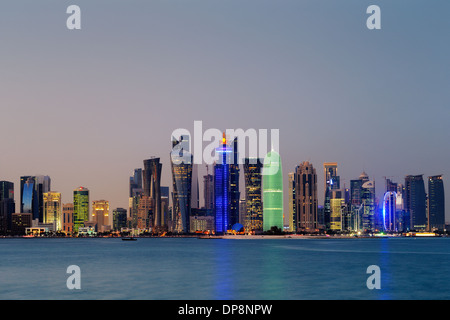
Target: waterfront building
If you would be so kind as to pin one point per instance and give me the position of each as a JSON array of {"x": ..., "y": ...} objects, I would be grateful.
[
  {"x": 235, "y": 194},
  {"x": 67, "y": 218},
  {"x": 52, "y": 209},
  {"x": 292, "y": 219},
  {"x": 100, "y": 215},
  {"x": 337, "y": 208},
  {"x": 19, "y": 223},
  {"x": 389, "y": 211},
  {"x": 436, "y": 203},
  {"x": 306, "y": 198},
  {"x": 331, "y": 182},
  {"x": 272, "y": 192},
  {"x": 416, "y": 202},
  {"x": 32, "y": 189},
  {"x": 119, "y": 219},
  {"x": 145, "y": 213},
  {"x": 181, "y": 164},
  {"x": 81, "y": 208},
  {"x": 7, "y": 206},
  {"x": 152, "y": 188},
  {"x": 222, "y": 197},
  {"x": 253, "y": 222},
  {"x": 208, "y": 190}
]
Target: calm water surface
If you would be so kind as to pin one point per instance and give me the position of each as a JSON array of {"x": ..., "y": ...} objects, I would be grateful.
[{"x": 183, "y": 268}]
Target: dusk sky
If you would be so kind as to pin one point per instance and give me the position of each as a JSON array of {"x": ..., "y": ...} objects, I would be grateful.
[{"x": 87, "y": 106}]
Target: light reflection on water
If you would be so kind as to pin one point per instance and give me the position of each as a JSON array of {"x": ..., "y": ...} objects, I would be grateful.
[{"x": 181, "y": 268}]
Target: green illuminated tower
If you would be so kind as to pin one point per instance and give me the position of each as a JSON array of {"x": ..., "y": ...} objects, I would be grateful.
[
  {"x": 272, "y": 192},
  {"x": 80, "y": 208}
]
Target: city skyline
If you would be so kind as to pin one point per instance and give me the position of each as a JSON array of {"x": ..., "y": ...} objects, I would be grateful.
[{"x": 373, "y": 101}]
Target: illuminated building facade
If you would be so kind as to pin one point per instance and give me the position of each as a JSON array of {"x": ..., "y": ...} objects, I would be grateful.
[
  {"x": 337, "y": 210},
  {"x": 181, "y": 163},
  {"x": 119, "y": 219},
  {"x": 32, "y": 189},
  {"x": 436, "y": 203},
  {"x": 53, "y": 209},
  {"x": 222, "y": 197},
  {"x": 332, "y": 182},
  {"x": 20, "y": 221},
  {"x": 152, "y": 187},
  {"x": 67, "y": 217},
  {"x": 306, "y": 201},
  {"x": 389, "y": 211},
  {"x": 253, "y": 221},
  {"x": 235, "y": 194},
  {"x": 81, "y": 208},
  {"x": 272, "y": 192},
  {"x": 100, "y": 215},
  {"x": 292, "y": 220}
]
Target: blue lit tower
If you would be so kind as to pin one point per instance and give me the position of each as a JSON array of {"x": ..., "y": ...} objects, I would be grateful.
[
  {"x": 222, "y": 197},
  {"x": 389, "y": 211}
]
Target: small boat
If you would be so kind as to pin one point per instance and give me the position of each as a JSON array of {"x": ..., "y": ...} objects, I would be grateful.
[{"x": 129, "y": 239}]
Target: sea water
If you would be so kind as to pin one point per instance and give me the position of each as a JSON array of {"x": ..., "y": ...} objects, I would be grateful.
[{"x": 218, "y": 269}]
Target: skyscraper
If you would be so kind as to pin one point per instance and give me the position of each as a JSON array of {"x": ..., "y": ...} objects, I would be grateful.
[
  {"x": 32, "y": 189},
  {"x": 100, "y": 215},
  {"x": 119, "y": 219},
  {"x": 292, "y": 219},
  {"x": 208, "y": 191},
  {"x": 306, "y": 201},
  {"x": 7, "y": 206},
  {"x": 152, "y": 187},
  {"x": 181, "y": 163},
  {"x": 436, "y": 203},
  {"x": 368, "y": 206},
  {"x": 80, "y": 208},
  {"x": 67, "y": 217},
  {"x": 52, "y": 209},
  {"x": 235, "y": 194},
  {"x": 222, "y": 196},
  {"x": 337, "y": 206},
  {"x": 332, "y": 182},
  {"x": 272, "y": 192},
  {"x": 253, "y": 196},
  {"x": 416, "y": 202},
  {"x": 389, "y": 211}
]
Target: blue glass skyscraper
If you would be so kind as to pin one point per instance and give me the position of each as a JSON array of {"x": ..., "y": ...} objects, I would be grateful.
[{"x": 222, "y": 197}]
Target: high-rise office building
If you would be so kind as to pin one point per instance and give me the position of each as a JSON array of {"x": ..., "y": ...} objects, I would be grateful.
[
  {"x": 67, "y": 217},
  {"x": 222, "y": 196},
  {"x": 306, "y": 200},
  {"x": 337, "y": 210},
  {"x": 81, "y": 207},
  {"x": 292, "y": 219},
  {"x": 332, "y": 182},
  {"x": 436, "y": 203},
  {"x": 145, "y": 214},
  {"x": 119, "y": 219},
  {"x": 165, "y": 205},
  {"x": 100, "y": 215},
  {"x": 7, "y": 206},
  {"x": 152, "y": 187},
  {"x": 368, "y": 206},
  {"x": 416, "y": 202},
  {"x": 32, "y": 189},
  {"x": 53, "y": 209},
  {"x": 235, "y": 194},
  {"x": 272, "y": 192},
  {"x": 136, "y": 183},
  {"x": 253, "y": 222},
  {"x": 181, "y": 163},
  {"x": 208, "y": 191},
  {"x": 389, "y": 211}
]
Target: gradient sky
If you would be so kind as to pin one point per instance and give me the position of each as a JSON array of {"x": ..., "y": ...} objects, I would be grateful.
[{"x": 87, "y": 106}]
